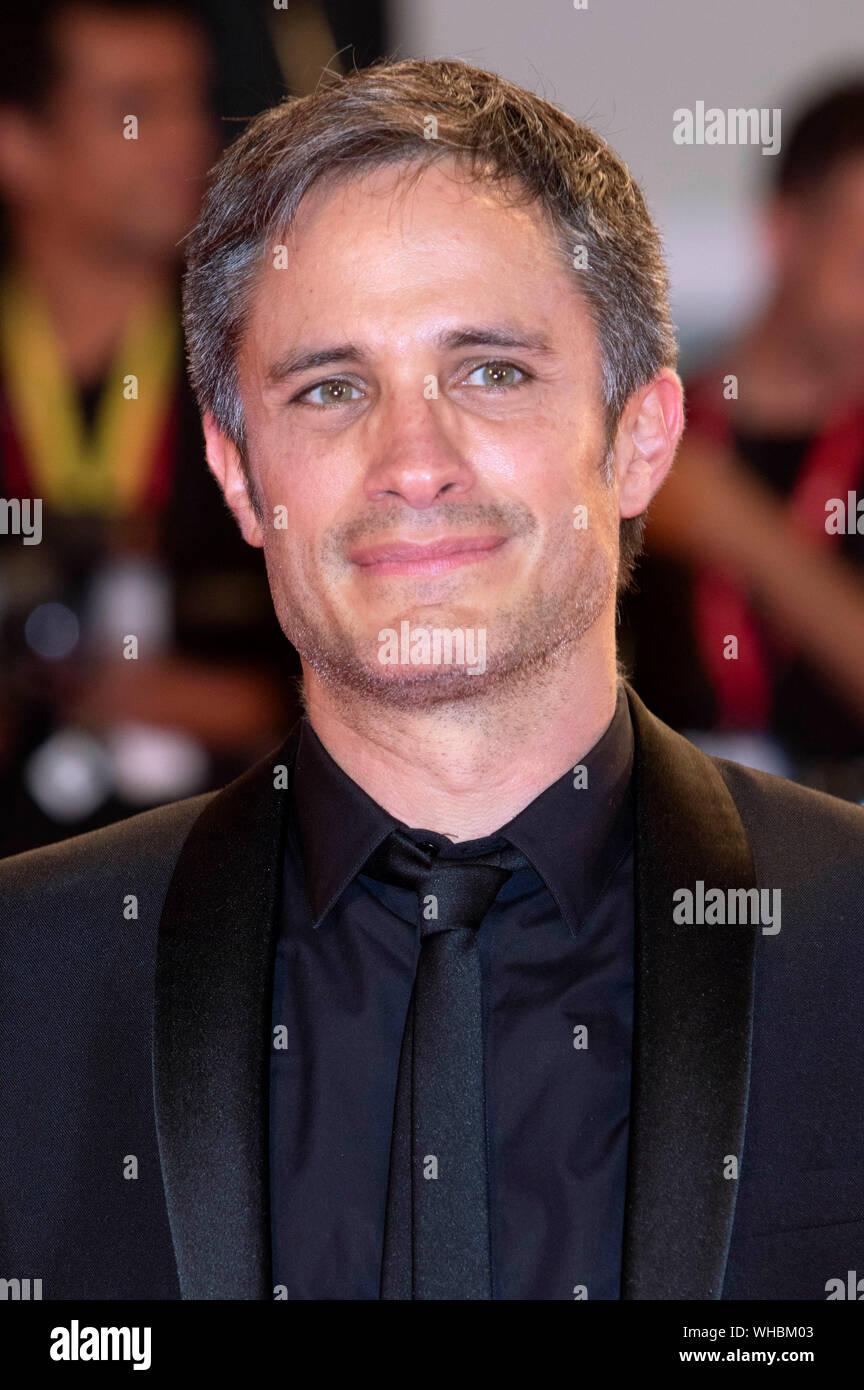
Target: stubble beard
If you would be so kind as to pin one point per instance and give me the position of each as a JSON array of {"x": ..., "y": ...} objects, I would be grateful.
[{"x": 525, "y": 642}]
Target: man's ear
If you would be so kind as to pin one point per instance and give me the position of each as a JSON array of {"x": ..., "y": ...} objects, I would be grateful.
[
  {"x": 225, "y": 464},
  {"x": 648, "y": 433}
]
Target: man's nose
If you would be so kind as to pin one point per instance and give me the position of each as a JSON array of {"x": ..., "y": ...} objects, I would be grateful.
[{"x": 418, "y": 459}]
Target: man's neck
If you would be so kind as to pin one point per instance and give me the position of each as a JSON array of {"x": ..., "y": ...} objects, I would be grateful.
[
  {"x": 89, "y": 296},
  {"x": 466, "y": 769}
]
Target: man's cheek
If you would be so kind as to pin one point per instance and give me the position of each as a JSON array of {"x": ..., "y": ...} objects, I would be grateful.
[{"x": 291, "y": 565}]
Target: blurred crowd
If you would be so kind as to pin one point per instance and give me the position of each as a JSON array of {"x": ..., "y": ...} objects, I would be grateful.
[
  {"x": 745, "y": 630},
  {"x": 140, "y": 659}
]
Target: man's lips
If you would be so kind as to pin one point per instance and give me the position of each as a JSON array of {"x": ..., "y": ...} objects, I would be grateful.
[{"x": 410, "y": 557}]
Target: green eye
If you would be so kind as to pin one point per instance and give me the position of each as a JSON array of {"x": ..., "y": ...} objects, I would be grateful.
[
  {"x": 335, "y": 392},
  {"x": 499, "y": 375}
]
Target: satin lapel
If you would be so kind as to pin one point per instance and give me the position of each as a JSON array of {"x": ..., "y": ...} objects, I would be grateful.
[
  {"x": 211, "y": 1040},
  {"x": 692, "y": 1025}
]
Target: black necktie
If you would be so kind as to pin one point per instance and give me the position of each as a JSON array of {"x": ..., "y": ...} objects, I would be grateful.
[{"x": 436, "y": 1241}]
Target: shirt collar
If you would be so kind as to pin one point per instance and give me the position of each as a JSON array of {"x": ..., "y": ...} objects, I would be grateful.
[{"x": 574, "y": 833}]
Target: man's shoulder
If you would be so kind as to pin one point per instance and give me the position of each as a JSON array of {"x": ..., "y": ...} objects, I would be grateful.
[
  {"x": 148, "y": 843},
  {"x": 799, "y": 836},
  {"x": 776, "y": 803},
  {"x": 774, "y": 810}
]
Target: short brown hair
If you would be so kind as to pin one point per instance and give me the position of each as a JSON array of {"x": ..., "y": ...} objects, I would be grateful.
[{"x": 381, "y": 115}]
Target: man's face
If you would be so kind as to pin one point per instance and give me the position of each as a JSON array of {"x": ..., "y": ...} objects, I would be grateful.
[
  {"x": 821, "y": 248},
  {"x": 426, "y": 478},
  {"x": 121, "y": 196}
]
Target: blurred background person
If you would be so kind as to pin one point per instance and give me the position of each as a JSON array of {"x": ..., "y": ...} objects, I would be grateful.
[
  {"x": 140, "y": 659},
  {"x": 745, "y": 629}
]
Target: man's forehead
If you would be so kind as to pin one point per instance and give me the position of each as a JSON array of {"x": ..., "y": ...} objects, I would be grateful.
[
  {"x": 400, "y": 195},
  {"x": 329, "y": 257},
  {"x": 283, "y": 339}
]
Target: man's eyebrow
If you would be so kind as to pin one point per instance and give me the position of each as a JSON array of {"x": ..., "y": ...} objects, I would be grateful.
[
  {"x": 494, "y": 335},
  {"x": 482, "y": 335}
]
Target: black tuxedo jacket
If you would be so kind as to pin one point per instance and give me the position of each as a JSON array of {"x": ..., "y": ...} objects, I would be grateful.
[{"x": 140, "y": 1044}]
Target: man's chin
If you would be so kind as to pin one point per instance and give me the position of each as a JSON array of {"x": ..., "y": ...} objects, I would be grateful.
[
  {"x": 413, "y": 686},
  {"x": 484, "y": 676},
  {"x": 457, "y": 655}
]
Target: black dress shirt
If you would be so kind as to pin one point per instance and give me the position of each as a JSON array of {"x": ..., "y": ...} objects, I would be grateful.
[{"x": 556, "y": 953}]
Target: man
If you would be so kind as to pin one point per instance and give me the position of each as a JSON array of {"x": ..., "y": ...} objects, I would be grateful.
[
  {"x": 486, "y": 985},
  {"x": 107, "y": 128},
  {"x": 755, "y": 537}
]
